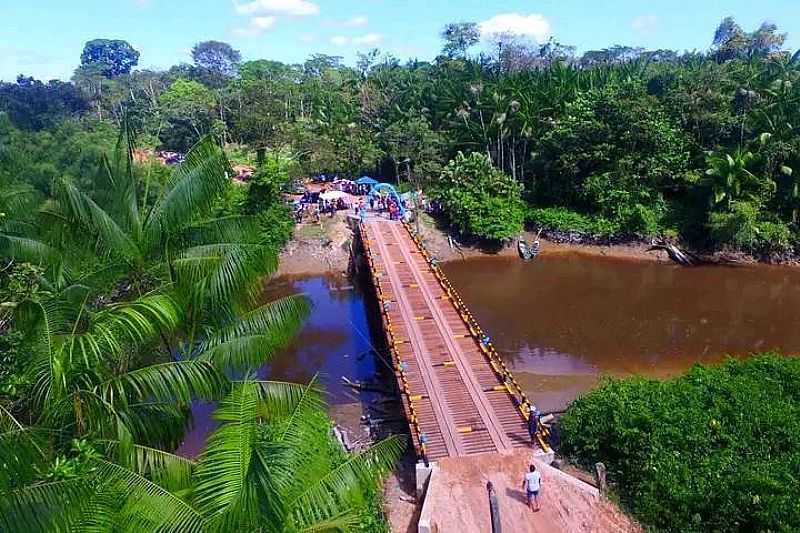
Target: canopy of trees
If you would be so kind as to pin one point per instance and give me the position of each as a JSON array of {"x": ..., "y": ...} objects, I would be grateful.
[{"x": 628, "y": 141}]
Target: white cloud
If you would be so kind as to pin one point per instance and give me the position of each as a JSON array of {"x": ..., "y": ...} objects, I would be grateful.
[
  {"x": 534, "y": 25},
  {"x": 645, "y": 23},
  {"x": 257, "y": 26},
  {"x": 358, "y": 20},
  {"x": 263, "y": 8},
  {"x": 368, "y": 39},
  {"x": 142, "y": 3}
]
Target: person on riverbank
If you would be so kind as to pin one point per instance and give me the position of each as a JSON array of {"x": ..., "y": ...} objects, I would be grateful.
[{"x": 532, "y": 484}]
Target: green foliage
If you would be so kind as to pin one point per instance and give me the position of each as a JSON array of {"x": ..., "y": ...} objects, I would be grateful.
[
  {"x": 729, "y": 179},
  {"x": 479, "y": 199},
  {"x": 70, "y": 150},
  {"x": 717, "y": 449},
  {"x": 12, "y": 364},
  {"x": 619, "y": 130},
  {"x": 80, "y": 461},
  {"x": 631, "y": 208},
  {"x": 411, "y": 139},
  {"x": 745, "y": 226},
  {"x": 459, "y": 37},
  {"x": 270, "y": 465},
  {"x": 188, "y": 105},
  {"x": 217, "y": 57},
  {"x": 109, "y": 57},
  {"x": 563, "y": 219},
  {"x": 272, "y": 176},
  {"x": 276, "y": 225}
]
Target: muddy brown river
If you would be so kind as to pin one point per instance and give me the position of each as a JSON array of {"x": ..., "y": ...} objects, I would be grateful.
[
  {"x": 565, "y": 320},
  {"x": 561, "y": 322}
]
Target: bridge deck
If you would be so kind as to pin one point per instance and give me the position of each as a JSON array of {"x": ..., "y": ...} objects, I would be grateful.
[{"x": 458, "y": 395}]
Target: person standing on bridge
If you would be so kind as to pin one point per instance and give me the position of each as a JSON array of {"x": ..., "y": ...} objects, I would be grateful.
[
  {"x": 533, "y": 423},
  {"x": 531, "y": 484}
]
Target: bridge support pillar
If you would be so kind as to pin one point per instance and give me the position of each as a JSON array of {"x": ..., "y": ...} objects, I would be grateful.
[
  {"x": 423, "y": 474},
  {"x": 546, "y": 457}
]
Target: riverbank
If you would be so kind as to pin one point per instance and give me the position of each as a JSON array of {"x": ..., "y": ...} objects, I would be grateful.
[
  {"x": 445, "y": 247},
  {"x": 324, "y": 248},
  {"x": 318, "y": 248}
]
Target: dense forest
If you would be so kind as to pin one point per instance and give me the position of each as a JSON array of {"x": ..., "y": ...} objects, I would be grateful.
[
  {"x": 131, "y": 288},
  {"x": 699, "y": 146}
]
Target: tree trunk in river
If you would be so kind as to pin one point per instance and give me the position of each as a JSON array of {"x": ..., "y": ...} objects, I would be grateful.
[{"x": 676, "y": 254}]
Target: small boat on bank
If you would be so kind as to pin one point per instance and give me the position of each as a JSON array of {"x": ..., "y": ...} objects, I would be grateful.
[{"x": 527, "y": 252}]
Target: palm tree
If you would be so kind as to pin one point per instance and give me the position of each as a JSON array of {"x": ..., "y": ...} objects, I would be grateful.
[
  {"x": 126, "y": 367},
  {"x": 265, "y": 468}
]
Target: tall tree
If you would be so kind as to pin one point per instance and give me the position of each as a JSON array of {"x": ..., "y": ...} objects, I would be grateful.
[
  {"x": 187, "y": 103},
  {"x": 459, "y": 37},
  {"x": 217, "y": 56},
  {"x": 111, "y": 57}
]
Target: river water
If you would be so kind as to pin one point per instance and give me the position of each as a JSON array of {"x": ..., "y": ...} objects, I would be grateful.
[
  {"x": 561, "y": 322},
  {"x": 336, "y": 340}
]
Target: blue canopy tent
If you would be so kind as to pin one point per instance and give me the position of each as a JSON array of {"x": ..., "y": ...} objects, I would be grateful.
[
  {"x": 388, "y": 190},
  {"x": 366, "y": 180}
]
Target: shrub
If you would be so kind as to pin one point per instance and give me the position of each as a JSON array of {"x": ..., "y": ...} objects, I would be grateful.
[
  {"x": 265, "y": 186},
  {"x": 479, "y": 199},
  {"x": 625, "y": 203},
  {"x": 275, "y": 226},
  {"x": 717, "y": 449},
  {"x": 745, "y": 227},
  {"x": 563, "y": 219}
]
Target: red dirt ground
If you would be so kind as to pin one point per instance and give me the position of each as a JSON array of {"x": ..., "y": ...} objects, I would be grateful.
[{"x": 457, "y": 501}]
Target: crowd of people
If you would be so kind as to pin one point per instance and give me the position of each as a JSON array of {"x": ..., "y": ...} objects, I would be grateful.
[{"x": 341, "y": 195}]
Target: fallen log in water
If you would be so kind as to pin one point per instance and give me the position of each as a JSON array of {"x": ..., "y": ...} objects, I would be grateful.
[{"x": 677, "y": 255}]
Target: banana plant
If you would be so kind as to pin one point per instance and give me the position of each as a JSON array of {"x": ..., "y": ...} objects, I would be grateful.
[{"x": 729, "y": 178}]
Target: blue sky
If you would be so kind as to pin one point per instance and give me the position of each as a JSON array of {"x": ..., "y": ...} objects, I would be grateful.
[{"x": 44, "y": 38}]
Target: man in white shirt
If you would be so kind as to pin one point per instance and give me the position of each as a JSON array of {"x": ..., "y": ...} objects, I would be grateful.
[{"x": 532, "y": 483}]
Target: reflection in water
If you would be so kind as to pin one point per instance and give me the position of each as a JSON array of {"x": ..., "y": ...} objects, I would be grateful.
[
  {"x": 563, "y": 320},
  {"x": 334, "y": 342}
]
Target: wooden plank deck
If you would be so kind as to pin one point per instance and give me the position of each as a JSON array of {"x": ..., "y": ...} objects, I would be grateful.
[{"x": 457, "y": 394}]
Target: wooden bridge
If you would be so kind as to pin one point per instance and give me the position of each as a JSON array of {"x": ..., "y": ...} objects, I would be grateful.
[{"x": 458, "y": 395}]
